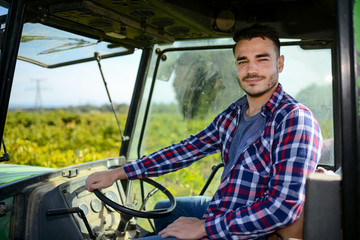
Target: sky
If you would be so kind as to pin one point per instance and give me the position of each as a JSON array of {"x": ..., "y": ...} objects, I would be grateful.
[{"x": 74, "y": 85}]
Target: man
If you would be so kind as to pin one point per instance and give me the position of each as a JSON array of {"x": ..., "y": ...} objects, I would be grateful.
[{"x": 269, "y": 143}]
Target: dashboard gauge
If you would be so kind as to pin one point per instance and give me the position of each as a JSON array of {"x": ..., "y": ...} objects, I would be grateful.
[
  {"x": 96, "y": 205},
  {"x": 84, "y": 208},
  {"x": 112, "y": 196}
]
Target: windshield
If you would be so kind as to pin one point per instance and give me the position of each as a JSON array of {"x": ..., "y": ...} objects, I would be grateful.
[
  {"x": 192, "y": 86},
  {"x": 60, "y": 117}
]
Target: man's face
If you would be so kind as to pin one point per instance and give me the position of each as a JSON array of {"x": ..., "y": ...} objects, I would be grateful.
[{"x": 258, "y": 66}]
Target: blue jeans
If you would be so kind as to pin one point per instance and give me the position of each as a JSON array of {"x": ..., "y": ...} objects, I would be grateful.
[{"x": 185, "y": 207}]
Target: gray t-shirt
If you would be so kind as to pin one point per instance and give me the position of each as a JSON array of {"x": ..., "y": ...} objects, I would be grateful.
[{"x": 248, "y": 130}]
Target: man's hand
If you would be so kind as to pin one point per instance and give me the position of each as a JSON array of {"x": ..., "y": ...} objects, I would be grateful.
[
  {"x": 323, "y": 170},
  {"x": 185, "y": 228},
  {"x": 104, "y": 179}
]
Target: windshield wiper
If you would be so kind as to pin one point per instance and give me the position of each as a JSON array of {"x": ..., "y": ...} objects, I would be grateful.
[{"x": 98, "y": 58}]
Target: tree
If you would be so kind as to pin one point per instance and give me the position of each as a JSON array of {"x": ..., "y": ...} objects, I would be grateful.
[{"x": 205, "y": 81}]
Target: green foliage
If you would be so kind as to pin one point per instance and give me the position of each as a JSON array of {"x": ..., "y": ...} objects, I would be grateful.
[
  {"x": 164, "y": 129},
  {"x": 61, "y": 138},
  {"x": 319, "y": 100}
]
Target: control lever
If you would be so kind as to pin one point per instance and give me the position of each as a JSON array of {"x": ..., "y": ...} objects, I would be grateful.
[
  {"x": 150, "y": 194},
  {"x": 62, "y": 211},
  {"x": 6, "y": 156}
]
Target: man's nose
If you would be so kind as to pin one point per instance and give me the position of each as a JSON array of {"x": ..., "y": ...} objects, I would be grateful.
[{"x": 252, "y": 67}]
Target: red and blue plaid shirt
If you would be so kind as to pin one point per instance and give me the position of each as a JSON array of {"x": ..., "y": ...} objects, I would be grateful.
[{"x": 265, "y": 189}]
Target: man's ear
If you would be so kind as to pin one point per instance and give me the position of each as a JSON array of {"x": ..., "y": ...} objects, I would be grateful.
[{"x": 281, "y": 60}]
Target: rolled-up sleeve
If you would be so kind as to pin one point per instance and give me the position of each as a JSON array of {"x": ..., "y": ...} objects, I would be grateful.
[{"x": 176, "y": 156}]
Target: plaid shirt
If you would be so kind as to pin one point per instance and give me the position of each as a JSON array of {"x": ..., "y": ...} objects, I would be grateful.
[{"x": 265, "y": 190}]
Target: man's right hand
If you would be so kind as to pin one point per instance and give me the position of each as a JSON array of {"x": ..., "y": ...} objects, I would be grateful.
[{"x": 104, "y": 179}]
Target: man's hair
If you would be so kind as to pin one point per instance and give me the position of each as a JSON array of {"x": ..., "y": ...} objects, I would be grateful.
[{"x": 258, "y": 30}]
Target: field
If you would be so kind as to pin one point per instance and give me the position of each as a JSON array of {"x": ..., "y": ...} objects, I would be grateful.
[{"x": 61, "y": 138}]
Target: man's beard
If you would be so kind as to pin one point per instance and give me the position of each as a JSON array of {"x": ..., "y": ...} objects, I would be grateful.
[{"x": 273, "y": 81}]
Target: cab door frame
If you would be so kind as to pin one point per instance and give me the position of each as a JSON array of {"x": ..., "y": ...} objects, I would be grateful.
[
  {"x": 349, "y": 118},
  {"x": 8, "y": 55}
]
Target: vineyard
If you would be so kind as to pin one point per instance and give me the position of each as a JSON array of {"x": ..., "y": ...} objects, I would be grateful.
[{"x": 61, "y": 138}]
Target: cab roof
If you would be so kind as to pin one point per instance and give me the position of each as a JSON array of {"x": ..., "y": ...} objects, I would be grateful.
[{"x": 140, "y": 23}]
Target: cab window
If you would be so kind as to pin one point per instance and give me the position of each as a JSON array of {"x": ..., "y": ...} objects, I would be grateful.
[{"x": 191, "y": 87}]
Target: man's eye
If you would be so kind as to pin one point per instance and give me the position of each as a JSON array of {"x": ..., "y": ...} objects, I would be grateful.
[
  {"x": 240, "y": 63},
  {"x": 263, "y": 59}
]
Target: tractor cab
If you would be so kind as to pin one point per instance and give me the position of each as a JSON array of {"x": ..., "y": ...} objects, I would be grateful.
[{"x": 172, "y": 63}]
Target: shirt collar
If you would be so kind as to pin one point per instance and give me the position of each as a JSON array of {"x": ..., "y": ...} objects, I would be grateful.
[
  {"x": 269, "y": 106},
  {"x": 274, "y": 100}
]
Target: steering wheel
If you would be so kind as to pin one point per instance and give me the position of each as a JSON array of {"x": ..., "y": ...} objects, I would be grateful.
[{"x": 158, "y": 213}]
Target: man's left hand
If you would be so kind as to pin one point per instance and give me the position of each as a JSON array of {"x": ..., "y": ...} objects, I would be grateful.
[{"x": 185, "y": 228}]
